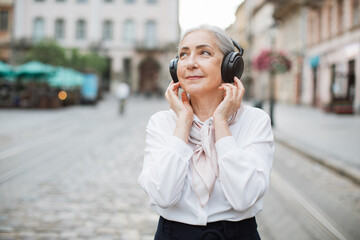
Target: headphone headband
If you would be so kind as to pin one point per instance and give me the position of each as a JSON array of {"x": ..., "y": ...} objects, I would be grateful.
[{"x": 241, "y": 50}]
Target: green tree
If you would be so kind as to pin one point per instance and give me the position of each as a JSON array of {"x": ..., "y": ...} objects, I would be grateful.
[{"x": 48, "y": 52}]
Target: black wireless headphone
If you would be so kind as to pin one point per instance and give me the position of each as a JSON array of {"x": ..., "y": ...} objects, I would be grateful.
[{"x": 232, "y": 65}]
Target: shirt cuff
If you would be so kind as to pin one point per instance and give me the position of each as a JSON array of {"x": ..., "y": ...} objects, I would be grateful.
[
  {"x": 225, "y": 145},
  {"x": 180, "y": 147}
]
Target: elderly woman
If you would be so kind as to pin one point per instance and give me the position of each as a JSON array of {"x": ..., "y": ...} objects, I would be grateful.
[{"x": 208, "y": 159}]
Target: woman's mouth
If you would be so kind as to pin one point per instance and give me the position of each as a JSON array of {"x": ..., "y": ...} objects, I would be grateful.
[{"x": 194, "y": 77}]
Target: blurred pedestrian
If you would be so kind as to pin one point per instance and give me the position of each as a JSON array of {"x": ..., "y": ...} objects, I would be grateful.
[
  {"x": 208, "y": 159},
  {"x": 122, "y": 93}
]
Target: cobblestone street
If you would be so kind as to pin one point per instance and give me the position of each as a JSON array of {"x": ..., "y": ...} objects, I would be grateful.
[
  {"x": 81, "y": 181},
  {"x": 96, "y": 197}
]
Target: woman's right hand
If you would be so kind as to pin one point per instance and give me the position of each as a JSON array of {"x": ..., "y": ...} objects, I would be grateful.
[
  {"x": 182, "y": 106},
  {"x": 183, "y": 110}
]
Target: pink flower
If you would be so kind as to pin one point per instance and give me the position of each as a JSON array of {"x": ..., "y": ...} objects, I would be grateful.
[{"x": 273, "y": 61}]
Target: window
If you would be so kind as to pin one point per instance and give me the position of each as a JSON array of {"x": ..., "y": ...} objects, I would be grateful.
[
  {"x": 330, "y": 19},
  {"x": 4, "y": 20},
  {"x": 81, "y": 1},
  {"x": 80, "y": 29},
  {"x": 60, "y": 0},
  {"x": 59, "y": 29},
  {"x": 150, "y": 34},
  {"x": 151, "y": 1},
  {"x": 340, "y": 16},
  {"x": 39, "y": 0},
  {"x": 38, "y": 33},
  {"x": 356, "y": 12},
  {"x": 107, "y": 30},
  {"x": 108, "y": 1},
  {"x": 129, "y": 31},
  {"x": 129, "y": 1}
]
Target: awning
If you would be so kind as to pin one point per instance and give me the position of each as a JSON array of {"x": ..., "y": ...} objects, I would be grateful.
[{"x": 314, "y": 61}]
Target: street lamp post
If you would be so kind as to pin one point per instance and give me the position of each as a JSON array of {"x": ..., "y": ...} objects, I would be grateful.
[
  {"x": 272, "y": 98},
  {"x": 272, "y": 33}
]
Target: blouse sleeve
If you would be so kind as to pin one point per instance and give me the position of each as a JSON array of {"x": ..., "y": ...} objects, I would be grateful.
[
  {"x": 165, "y": 163},
  {"x": 244, "y": 166}
]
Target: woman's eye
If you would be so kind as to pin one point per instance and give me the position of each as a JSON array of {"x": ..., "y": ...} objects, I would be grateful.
[
  {"x": 182, "y": 54},
  {"x": 206, "y": 53}
]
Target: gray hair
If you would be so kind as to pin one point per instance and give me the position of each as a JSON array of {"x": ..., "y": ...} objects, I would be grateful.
[{"x": 223, "y": 41}]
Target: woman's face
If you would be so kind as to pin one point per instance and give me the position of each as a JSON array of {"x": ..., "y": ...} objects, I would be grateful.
[{"x": 199, "y": 65}]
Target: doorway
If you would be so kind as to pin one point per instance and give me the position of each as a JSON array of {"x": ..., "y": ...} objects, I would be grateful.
[{"x": 149, "y": 73}]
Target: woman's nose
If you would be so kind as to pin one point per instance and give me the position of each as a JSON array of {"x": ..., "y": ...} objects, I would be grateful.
[{"x": 192, "y": 62}]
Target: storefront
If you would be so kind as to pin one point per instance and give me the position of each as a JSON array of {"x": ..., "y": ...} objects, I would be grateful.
[{"x": 333, "y": 81}]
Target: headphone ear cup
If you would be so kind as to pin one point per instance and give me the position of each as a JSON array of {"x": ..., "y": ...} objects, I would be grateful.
[
  {"x": 173, "y": 69},
  {"x": 232, "y": 65}
]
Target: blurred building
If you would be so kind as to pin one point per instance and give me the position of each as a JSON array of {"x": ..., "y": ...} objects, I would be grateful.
[
  {"x": 138, "y": 37},
  {"x": 322, "y": 39},
  {"x": 290, "y": 25},
  {"x": 252, "y": 28},
  {"x": 332, "y": 69},
  {"x": 6, "y": 23},
  {"x": 238, "y": 32}
]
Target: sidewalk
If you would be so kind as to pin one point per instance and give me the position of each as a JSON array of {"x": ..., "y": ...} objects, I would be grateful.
[{"x": 330, "y": 139}]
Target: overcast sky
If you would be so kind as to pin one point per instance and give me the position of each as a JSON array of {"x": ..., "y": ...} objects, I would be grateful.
[{"x": 214, "y": 12}]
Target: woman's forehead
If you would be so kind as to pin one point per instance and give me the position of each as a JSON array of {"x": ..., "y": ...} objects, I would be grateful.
[{"x": 198, "y": 37}]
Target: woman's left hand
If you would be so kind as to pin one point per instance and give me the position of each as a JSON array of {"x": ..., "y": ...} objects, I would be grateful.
[{"x": 233, "y": 96}]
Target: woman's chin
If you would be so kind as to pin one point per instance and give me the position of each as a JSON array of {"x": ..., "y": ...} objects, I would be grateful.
[{"x": 193, "y": 91}]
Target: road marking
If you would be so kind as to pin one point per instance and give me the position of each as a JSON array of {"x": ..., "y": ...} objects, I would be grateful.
[{"x": 288, "y": 191}]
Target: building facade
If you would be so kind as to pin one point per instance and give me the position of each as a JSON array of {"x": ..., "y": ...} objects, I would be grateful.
[
  {"x": 6, "y": 24},
  {"x": 259, "y": 37},
  {"x": 138, "y": 37},
  {"x": 332, "y": 69},
  {"x": 322, "y": 40},
  {"x": 290, "y": 19},
  {"x": 238, "y": 32}
]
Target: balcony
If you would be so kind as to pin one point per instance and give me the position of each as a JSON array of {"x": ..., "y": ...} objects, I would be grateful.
[{"x": 154, "y": 46}]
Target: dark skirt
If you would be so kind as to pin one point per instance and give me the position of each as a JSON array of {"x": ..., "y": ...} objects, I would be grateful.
[{"x": 222, "y": 230}]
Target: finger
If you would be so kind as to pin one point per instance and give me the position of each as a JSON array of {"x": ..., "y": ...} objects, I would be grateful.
[
  {"x": 184, "y": 97},
  {"x": 170, "y": 84},
  {"x": 228, "y": 91},
  {"x": 238, "y": 83},
  {"x": 241, "y": 93},
  {"x": 176, "y": 85},
  {"x": 173, "y": 89}
]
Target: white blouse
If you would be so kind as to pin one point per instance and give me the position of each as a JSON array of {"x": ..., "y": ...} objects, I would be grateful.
[{"x": 245, "y": 160}]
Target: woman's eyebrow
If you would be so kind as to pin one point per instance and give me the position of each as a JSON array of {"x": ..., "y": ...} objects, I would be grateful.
[
  {"x": 204, "y": 45},
  {"x": 198, "y": 46}
]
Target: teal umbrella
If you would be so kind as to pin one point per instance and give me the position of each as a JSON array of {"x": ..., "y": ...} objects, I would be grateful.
[
  {"x": 34, "y": 68},
  {"x": 5, "y": 69},
  {"x": 34, "y": 72},
  {"x": 66, "y": 78}
]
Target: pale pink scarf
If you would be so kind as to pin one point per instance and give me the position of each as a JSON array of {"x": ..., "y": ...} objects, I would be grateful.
[{"x": 204, "y": 164}]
